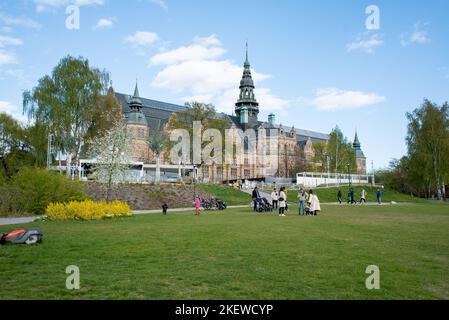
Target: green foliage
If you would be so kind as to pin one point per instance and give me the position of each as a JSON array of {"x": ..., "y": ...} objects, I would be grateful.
[
  {"x": 341, "y": 152},
  {"x": 70, "y": 104},
  {"x": 31, "y": 190},
  {"x": 425, "y": 168}
]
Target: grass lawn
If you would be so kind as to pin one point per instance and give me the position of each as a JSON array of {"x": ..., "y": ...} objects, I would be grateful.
[
  {"x": 239, "y": 255},
  {"x": 232, "y": 196}
]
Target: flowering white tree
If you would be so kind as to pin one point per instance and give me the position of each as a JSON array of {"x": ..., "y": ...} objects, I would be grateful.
[{"x": 112, "y": 156}]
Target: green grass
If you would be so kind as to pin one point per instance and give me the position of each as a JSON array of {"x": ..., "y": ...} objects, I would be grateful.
[
  {"x": 239, "y": 255},
  {"x": 330, "y": 195},
  {"x": 231, "y": 195}
]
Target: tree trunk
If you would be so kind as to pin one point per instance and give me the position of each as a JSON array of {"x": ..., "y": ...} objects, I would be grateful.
[{"x": 158, "y": 169}]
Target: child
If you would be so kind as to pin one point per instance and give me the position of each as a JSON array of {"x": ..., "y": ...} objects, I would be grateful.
[
  {"x": 197, "y": 206},
  {"x": 164, "y": 208}
]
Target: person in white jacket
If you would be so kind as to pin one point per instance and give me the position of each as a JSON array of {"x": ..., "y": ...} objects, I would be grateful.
[
  {"x": 314, "y": 203},
  {"x": 274, "y": 198},
  {"x": 282, "y": 202}
]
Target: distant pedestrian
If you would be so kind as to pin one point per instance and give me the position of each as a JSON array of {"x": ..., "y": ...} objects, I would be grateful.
[
  {"x": 351, "y": 196},
  {"x": 282, "y": 202},
  {"x": 197, "y": 206},
  {"x": 315, "y": 206},
  {"x": 362, "y": 196},
  {"x": 302, "y": 197},
  {"x": 275, "y": 198},
  {"x": 164, "y": 208},
  {"x": 286, "y": 199},
  {"x": 379, "y": 196},
  {"x": 339, "y": 196},
  {"x": 255, "y": 197}
]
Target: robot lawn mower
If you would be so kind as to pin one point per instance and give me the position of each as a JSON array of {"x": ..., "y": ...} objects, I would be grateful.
[{"x": 22, "y": 236}]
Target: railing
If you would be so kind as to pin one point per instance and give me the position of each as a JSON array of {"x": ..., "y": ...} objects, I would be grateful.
[{"x": 317, "y": 179}]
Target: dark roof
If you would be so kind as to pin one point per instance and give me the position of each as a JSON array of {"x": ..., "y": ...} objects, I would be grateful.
[{"x": 156, "y": 112}]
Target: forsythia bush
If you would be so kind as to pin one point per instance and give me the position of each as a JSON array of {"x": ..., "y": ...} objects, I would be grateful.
[{"x": 87, "y": 210}]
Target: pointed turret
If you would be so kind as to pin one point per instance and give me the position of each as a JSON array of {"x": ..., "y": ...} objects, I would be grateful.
[
  {"x": 135, "y": 116},
  {"x": 135, "y": 102},
  {"x": 359, "y": 156}
]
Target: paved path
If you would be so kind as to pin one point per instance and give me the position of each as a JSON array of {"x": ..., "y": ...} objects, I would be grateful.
[
  {"x": 179, "y": 210},
  {"x": 9, "y": 221}
]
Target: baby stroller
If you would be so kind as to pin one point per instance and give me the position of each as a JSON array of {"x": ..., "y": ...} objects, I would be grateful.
[
  {"x": 268, "y": 206},
  {"x": 307, "y": 210}
]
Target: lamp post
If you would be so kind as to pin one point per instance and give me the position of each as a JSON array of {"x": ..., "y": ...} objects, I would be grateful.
[
  {"x": 194, "y": 182},
  {"x": 328, "y": 156},
  {"x": 349, "y": 174}
]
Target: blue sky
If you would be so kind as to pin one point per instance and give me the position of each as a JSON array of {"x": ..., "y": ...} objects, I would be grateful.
[{"x": 315, "y": 63}]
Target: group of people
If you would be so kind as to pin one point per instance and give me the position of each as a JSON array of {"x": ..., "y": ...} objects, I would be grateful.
[
  {"x": 363, "y": 195},
  {"x": 308, "y": 203}
]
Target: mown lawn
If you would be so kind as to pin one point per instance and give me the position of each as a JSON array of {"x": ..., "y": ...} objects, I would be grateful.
[{"x": 239, "y": 255}]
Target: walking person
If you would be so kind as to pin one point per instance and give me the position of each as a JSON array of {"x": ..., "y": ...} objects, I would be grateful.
[
  {"x": 282, "y": 202},
  {"x": 302, "y": 197},
  {"x": 274, "y": 199},
  {"x": 362, "y": 196},
  {"x": 339, "y": 196},
  {"x": 197, "y": 206},
  {"x": 164, "y": 208},
  {"x": 286, "y": 199},
  {"x": 256, "y": 197},
  {"x": 351, "y": 196},
  {"x": 315, "y": 206},
  {"x": 379, "y": 196}
]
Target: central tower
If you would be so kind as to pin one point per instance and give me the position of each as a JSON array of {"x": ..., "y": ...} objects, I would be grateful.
[{"x": 246, "y": 107}]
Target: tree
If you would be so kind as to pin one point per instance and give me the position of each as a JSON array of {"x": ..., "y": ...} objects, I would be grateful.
[
  {"x": 112, "y": 156},
  {"x": 68, "y": 104},
  {"x": 320, "y": 154},
  {"x": 157, "y": 145},
  {"x": 204, "y": 113},
  {"x": 427, "y": 142},
  {"x": 341, "y": 152}
]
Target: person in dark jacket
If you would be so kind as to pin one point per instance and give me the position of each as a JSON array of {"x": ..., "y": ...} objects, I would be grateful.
[
  {"x": 256, "y": 197},
  {"x": 339, "y": 196},
  {"x": 164, "y": 208}
]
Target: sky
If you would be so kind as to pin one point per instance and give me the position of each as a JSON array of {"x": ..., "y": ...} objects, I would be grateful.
[{"x": 316, "y": 64}]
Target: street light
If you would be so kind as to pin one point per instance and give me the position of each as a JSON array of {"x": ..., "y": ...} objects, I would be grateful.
[
  {"x": 349, "y": 175},
  {"x": 328, "y": 156}
]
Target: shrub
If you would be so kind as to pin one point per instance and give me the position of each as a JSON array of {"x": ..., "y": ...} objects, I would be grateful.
[
  {"x": 87, "y": 210},
  {"x": 31, "y": 190}
]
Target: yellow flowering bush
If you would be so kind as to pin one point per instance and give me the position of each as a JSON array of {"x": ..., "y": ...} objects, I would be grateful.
[{"x": 87, "y": 210}]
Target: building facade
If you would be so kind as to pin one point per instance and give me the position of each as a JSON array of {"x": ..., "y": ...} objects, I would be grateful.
[{"x": 294, "y": 147}]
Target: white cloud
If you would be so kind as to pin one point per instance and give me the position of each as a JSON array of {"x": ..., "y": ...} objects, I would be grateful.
[
  {"x": 365, "y": 43},
  {"x": 160, "y": 3},
  {"x": 200, "y": 71},
  {"x": 142, "y": 39},
  {"x": 333, "y": 99},
  {"x": 418, "y": 36},
  {"x": 9, "y": 41},
  {"x": 104, "y": 23},
  {"x": 7, "y": 58},
  {"x": 10, "y": 109},
  {"x": 19, "y": 21},
  {"x": 207, "y": 48}
]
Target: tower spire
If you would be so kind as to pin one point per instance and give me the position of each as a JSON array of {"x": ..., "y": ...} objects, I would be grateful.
[
  {"x": 136, "y": 103},
  {"x": 247, "y": 100},
  {"x": 247, "y": 60}
]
